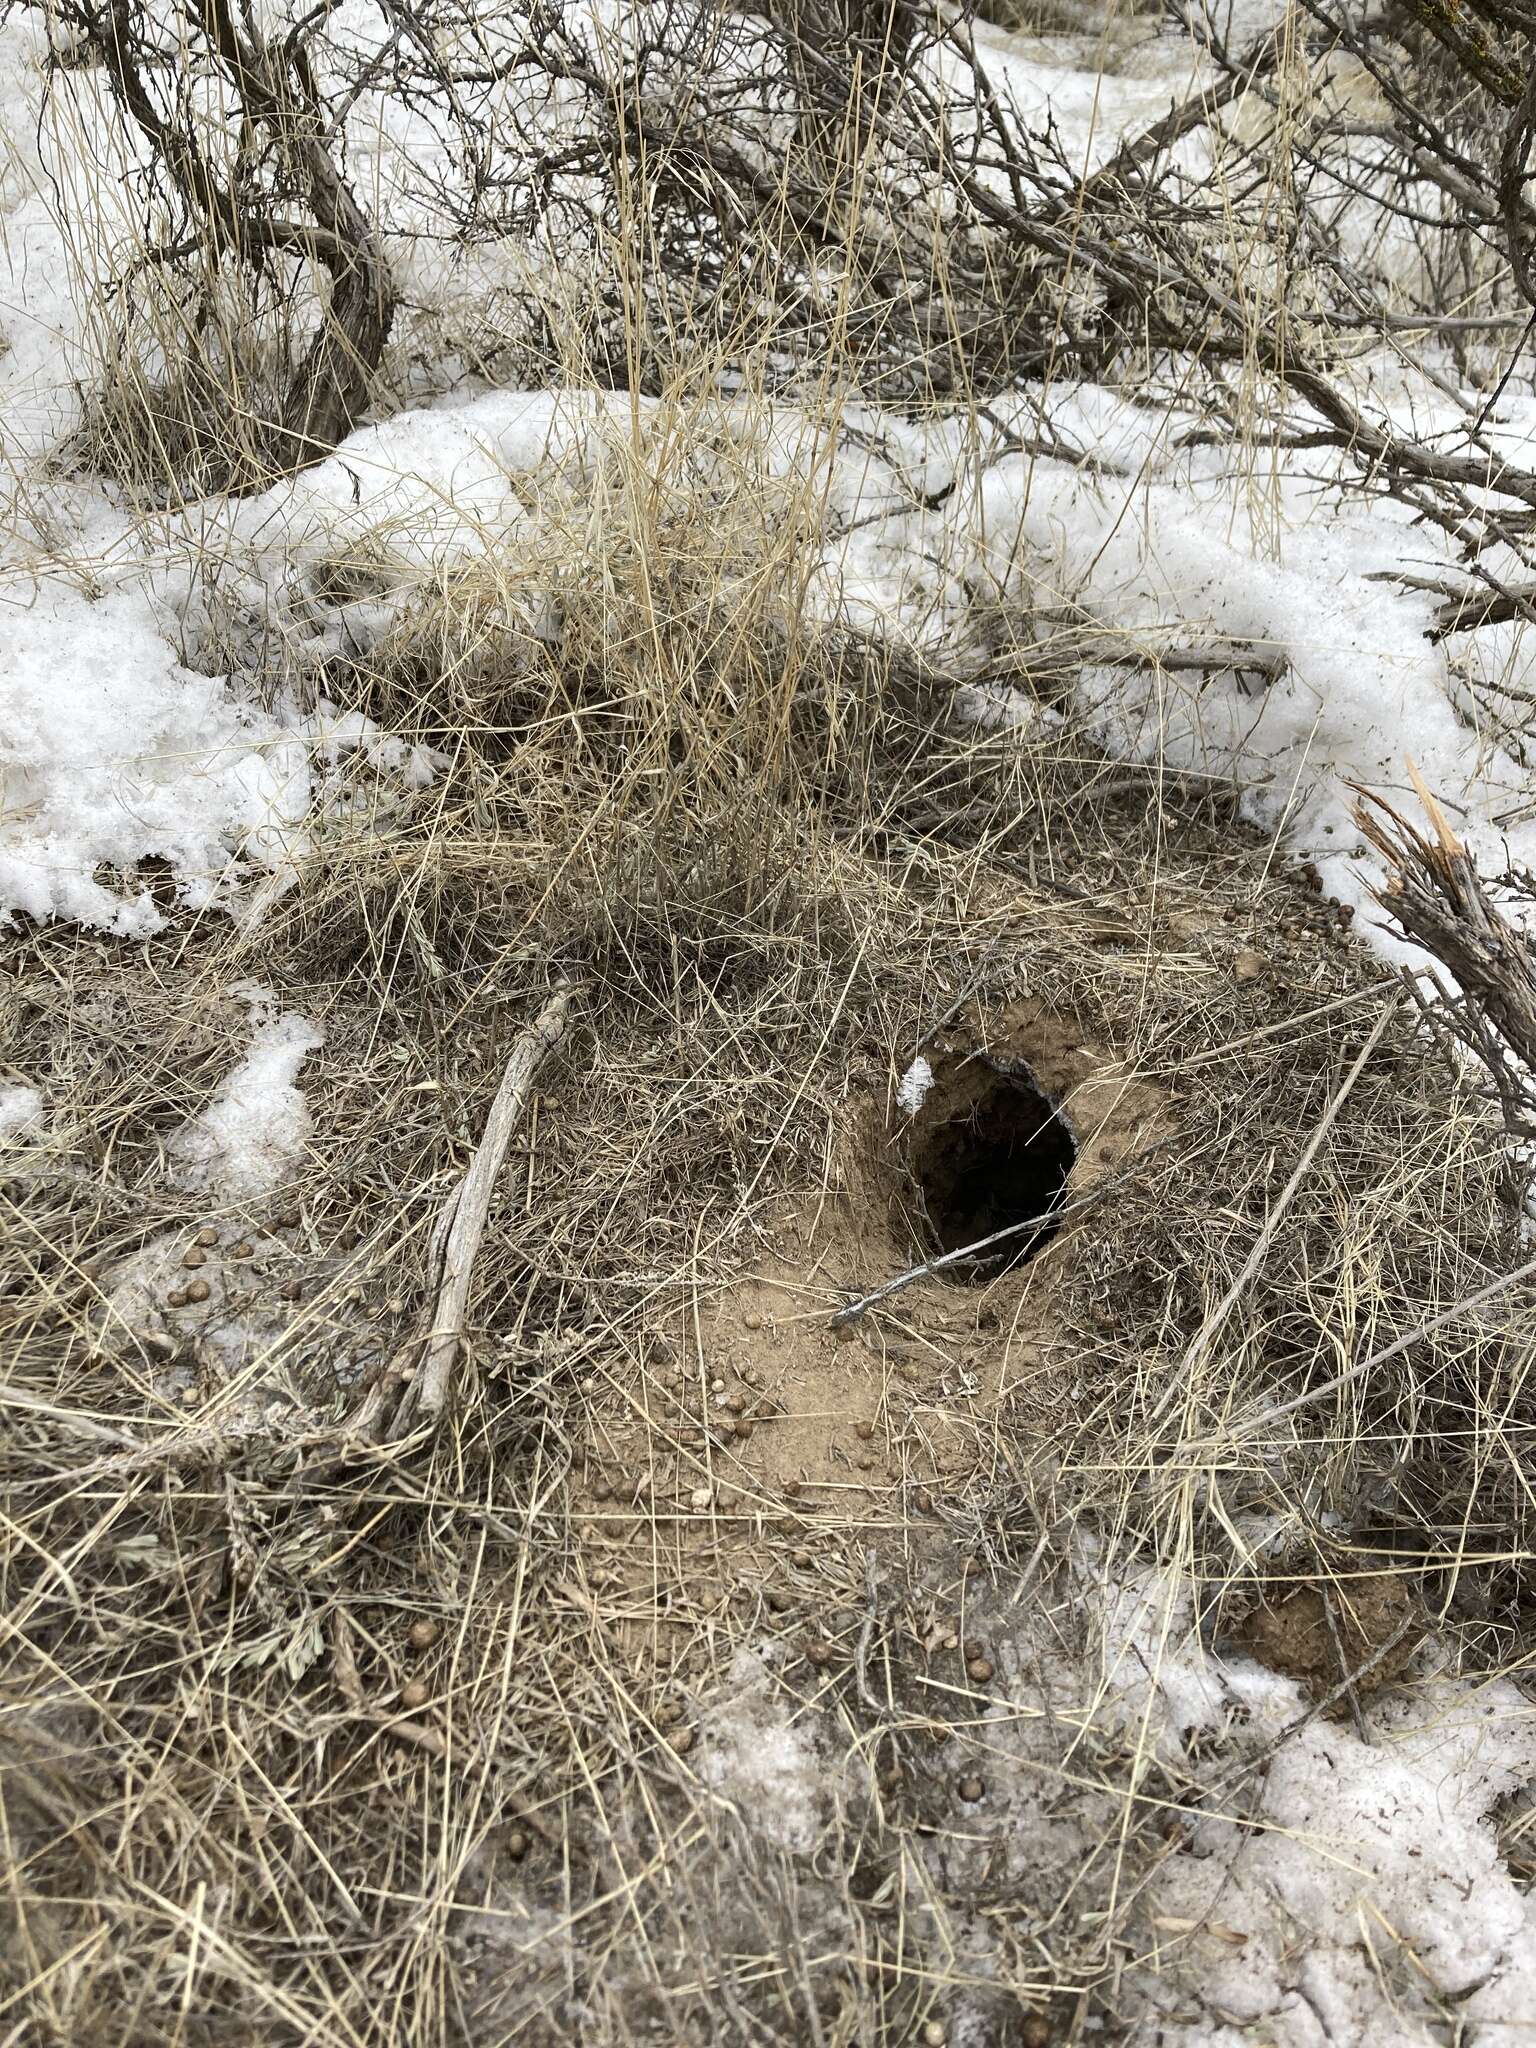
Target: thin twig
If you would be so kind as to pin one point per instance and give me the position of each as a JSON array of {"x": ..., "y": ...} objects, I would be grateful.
[
  {"x": 1260, "y": 1757},
  {"x": 1050, "y": 1219},
  {"x": 866, "y": 1635},
  {"x": 1393, "y": 1350},
  {"x": 1362, "y": 1727}
]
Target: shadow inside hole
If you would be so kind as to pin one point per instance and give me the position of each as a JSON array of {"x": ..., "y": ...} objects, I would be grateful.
[{"x": 1002, "y": 1165}]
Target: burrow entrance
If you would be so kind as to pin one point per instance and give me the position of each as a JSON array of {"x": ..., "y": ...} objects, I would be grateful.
[{"x": 1000, "y": 1165}]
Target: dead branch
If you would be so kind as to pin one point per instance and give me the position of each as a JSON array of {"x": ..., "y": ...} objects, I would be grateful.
[
  {"x": 278, "y": 194},
  {"x": 1440, "y": 901},
  {"x": 413, "y": 1391}
]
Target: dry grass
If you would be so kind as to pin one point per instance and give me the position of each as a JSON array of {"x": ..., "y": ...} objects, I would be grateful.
[
  {"x": 242, "y": 1801},
  {"x": 772, "y": 865}
]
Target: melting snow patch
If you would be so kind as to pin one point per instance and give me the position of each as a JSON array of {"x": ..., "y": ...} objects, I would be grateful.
[
  {"x": 1370, "y": 1894},
  {"x": 912, "y": 1090},
  {"x": 111, "y": 753},
  {"x": 252, "y": 1131},
  {"x": 21, "y": 1110},
  {"x": 763, "y": 1762}
]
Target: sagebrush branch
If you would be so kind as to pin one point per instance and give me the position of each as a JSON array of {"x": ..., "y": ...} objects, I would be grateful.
[
  {"x": 1440, "y": 901},
  {"x": 413, "y": 1392}
]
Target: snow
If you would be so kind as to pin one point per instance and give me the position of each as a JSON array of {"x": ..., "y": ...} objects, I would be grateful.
[
  {"x": 1335, "y": 1890},
  {"x": 1372, "y": 1893},
  {"x": 112, "y": 753},
  {"x": 254, "y": 1130},
  {"x": 21, "y": 1110},
  {"x": 769, "y": 1766},
  {"x": 912, "y": 1089}
]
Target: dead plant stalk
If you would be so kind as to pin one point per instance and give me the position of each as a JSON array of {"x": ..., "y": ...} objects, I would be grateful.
[{"x": 414, "y": 1391}]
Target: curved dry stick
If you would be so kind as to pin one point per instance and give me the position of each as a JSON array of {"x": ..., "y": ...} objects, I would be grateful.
[{"x": 414, "y": 1391}]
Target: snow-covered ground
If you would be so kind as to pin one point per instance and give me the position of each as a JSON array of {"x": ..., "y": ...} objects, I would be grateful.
[
  {"x": 1335, "y": 1889},
  {"x": 113, "y": 749}
]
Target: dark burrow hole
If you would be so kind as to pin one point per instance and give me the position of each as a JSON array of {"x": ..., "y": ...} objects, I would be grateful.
[{"x": 1003, "y": 1163}]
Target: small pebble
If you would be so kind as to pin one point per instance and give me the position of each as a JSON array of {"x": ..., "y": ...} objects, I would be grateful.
[
  {"x": 717, "y": 1386},
  {"x": 751, "y": 1322},
  {"x": 979, "y": 1670},
  {"x": 971, "y": 1789},
  {"x": 207, "y": 1235},
  {"x": 516, "y": 1844},
  {"x": 422, "y": 1634},
  {"x": 935, "y": 2034},
  {"x": 414, "y": 1694},
  {"x": 197, "y": 1290},
  {"x": 194, "y": 1257}
]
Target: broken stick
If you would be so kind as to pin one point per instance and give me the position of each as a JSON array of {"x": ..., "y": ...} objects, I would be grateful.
[{"x": 414, "y": 1391}]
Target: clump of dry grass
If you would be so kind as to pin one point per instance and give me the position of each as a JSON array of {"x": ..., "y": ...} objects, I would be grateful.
[{"x": 205, "y": 426}]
